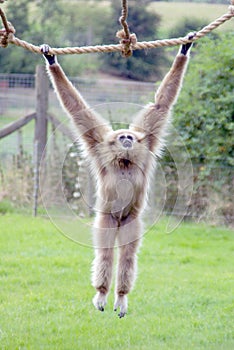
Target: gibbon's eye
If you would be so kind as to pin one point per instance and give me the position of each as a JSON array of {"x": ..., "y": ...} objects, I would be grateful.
[{"x": 121, "y": 138}]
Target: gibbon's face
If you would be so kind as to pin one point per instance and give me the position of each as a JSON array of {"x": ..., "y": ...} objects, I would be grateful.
[{"x": 126, "y": 146}]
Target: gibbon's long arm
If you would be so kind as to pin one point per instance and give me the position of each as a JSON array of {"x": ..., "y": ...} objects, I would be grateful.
[
  {"x": 153, "y": 120},
  {"x": 91, "y": 127}
]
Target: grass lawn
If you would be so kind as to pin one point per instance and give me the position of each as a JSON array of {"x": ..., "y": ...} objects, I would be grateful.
[{"x": 183, "y": 298}]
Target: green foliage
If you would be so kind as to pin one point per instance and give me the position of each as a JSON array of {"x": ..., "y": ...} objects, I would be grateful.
[
  {"x": 202, "y": 1},
  {"x": 46, "y": 18},
  {"x": 19, "y": 15},
  {"x": 186, "y": 25},
  {"x": 204, "y": 113},
  {"x": 17, "y": 60},
  {"x": 46, "y": 292},
  {"x": 141, "y": 66},
  {"x": 6, "y": 207},
  {"x": 55, "y": 23},
  {"x": 82, "y": 28},
  {"x": 204, "y": 117},
  {"x": 76, "y": 23}
]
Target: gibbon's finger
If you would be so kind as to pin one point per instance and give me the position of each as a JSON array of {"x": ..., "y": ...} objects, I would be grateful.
[
  {"x": 45, "y": 50},
  {"x": 191, "y": 35}
]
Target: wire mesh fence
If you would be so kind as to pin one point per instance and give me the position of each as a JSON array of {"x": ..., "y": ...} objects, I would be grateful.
[{"x": 211, "y": 196}]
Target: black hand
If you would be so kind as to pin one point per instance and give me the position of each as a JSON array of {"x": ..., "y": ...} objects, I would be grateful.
[
  {"x": 45, "y": 50},
  {"x": 186, "y": 47}
]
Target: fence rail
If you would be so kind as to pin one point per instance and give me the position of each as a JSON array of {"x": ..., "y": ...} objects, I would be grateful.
[{"x": 14, "y": 126}]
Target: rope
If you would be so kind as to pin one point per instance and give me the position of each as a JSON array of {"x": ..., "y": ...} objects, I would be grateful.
[
  {"x": 7, "y": 36},
  {"x": 127, "y": 39},
  {"x": 123, "y": 18},
  {"x": 7, "y": 31}
]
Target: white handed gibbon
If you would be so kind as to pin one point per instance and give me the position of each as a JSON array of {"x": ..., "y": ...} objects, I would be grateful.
[{"x": 121, "y": 162}]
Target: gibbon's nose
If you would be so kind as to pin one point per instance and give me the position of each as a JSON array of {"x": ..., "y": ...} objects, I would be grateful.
[{"x": 126, "y": 141}]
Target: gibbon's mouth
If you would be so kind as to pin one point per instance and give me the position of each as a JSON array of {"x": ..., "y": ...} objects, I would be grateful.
[{"x": 124, "y": 163}]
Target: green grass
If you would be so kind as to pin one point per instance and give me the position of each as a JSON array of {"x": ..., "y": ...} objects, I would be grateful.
[
  {"x": 173, "y": 12},
  {"x": 183, "y": 298}
]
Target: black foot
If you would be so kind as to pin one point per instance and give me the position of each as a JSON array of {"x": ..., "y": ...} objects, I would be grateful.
[
  {"x": 101, "y": 308},
  {"x": 121, "y": 314},
  {"x": 45, "y": 50}
]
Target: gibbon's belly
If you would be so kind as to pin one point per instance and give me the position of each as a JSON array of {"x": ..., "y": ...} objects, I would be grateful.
[{"x": 121, "y": 193}]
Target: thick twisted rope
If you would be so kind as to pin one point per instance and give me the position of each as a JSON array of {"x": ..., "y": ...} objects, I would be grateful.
[
  {"x": 123, "y": 18},
  {"x": 126, "y": 39},
  {"x": 7, "y": 36}
]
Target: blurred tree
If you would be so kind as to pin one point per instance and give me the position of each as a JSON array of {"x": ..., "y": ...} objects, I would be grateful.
[
  {"x": 81, "y": 28},
  {"x": 17, "y": 60},
  {"x": 47, "y": 19},
  {"x": 142, "y": 65},
  {"x": 204, "y": 113},
  {"x": 204, "y": 117},
  {"x": 186, "y": 25},
  {"x": 19, "y": 15}
]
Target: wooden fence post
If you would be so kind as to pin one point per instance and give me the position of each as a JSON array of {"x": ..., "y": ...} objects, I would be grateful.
[
  {"x": 40, "y": 135},
  {"x": 42, "y": 91}
]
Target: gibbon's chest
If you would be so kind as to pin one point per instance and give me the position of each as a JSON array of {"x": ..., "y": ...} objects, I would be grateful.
[
  {"x": 122, "y": 182},
  {"x": 121, "y": 191}
]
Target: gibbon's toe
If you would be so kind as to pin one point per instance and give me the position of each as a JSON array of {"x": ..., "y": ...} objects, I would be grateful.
[
  {"x": 101, "y": 308},
  {"x": 121, "y": 314},
  {"x": 99, "y": 301},
  {"x": 121, "y": 302}
]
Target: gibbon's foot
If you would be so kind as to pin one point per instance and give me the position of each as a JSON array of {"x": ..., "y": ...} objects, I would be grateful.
[
  {"x": 121, "y": 301},
  {"x": 99, "y": 301},
  {"x": 45, "y": 50},
  {"x": 186, "y": 47}
]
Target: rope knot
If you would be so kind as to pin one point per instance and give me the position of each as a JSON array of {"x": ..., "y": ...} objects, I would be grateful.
[
  {"x": 127, "y": 41},
  {"x": 6, "y": 35}
]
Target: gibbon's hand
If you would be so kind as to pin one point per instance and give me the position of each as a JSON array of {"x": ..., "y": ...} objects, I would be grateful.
[
  {"x": 186, "y": 47},
  {"x": 50, "y": 58}
]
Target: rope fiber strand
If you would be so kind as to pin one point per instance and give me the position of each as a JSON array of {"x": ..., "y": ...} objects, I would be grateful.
[{"x": 127, "y": 44}]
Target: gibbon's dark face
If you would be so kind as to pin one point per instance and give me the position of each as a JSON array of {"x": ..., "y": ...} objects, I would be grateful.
[{"x": 126, "y": 145}]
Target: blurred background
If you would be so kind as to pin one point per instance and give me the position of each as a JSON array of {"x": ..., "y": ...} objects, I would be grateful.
[{"x": 203, "y": 116}]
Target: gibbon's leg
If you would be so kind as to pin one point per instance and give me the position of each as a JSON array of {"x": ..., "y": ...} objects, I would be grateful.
[
  {"x": 102, "y": 268},
  {"x": 129, "y": 239}
]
